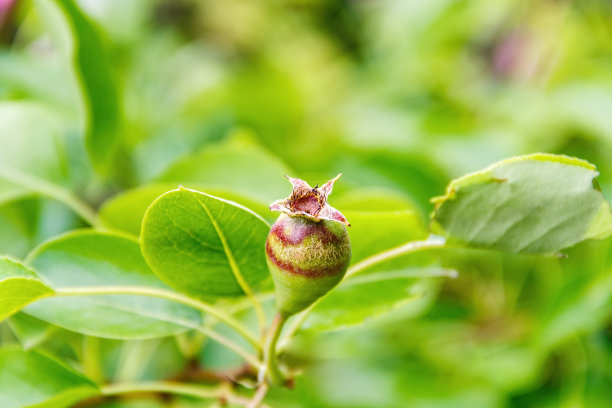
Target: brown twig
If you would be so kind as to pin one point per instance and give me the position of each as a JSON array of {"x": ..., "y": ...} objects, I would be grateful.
[{"x": 259, "y": 396}]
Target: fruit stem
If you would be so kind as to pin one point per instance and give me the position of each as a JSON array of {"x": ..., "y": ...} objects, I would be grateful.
[{"x": 272, "y": 371}]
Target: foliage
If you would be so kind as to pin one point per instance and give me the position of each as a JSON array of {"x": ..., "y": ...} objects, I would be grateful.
[{"x": 142, "y": 142}]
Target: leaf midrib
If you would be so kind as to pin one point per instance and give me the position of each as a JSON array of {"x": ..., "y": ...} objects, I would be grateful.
[{"x": 228, "y": 252}]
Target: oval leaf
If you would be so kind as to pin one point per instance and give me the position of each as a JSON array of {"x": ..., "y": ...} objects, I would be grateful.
[
  {"x": 90, "y": 258},
  {"x": 31, "y": 379},
  {"x": 372, "y": 232},
  {"x": 366, "y": 297},
  {"x": 243, "y": 167},
  {"x": 540, "y": 203},
  {"x": 204, "y": 245},
  {"x": 19, "y": 286},
  {"x": 372, "y": 199},
  {"x": 99, "y": 93},
  {"x": 29, "y": 330},
  {"x": 31, "y": 145},
  {"x": 125, "y": 211}
]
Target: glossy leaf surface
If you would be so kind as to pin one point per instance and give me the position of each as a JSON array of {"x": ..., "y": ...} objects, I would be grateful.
[
  {"x": 89, "y": 259},
  {"x": 125, "y": 211},
  {"x": 203, "y": 245}
]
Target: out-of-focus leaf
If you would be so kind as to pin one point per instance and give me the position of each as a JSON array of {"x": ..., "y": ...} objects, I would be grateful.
[
  {"x": 29, "y": 135},
  {"x": 203, "y": 245},
  {"x": 266, "y": 99},
  {"x": 242, "y": 167},
  {"x": 10, "y": 190},
  {"x": 17, "y": 223},
  {"x": 366, "y": 297},
  {"x": 415, "y": 175},
  {"x": 29, "y": 330},
  {"x": 125, "y": 211},
  {"x": 372, "y": 199},
  {"x": 36, "y": 156},
  {"x": 30, "y": 221},
  {"x": 31, "y": 379},
  {"x": 373, "y": 232},
  {"x": 583, "y": 306},
  {"x": 540, "y": 203},
  {"x": 99, "y": 93},
  {"x": 19, "y": 286},
  {"x": 88, "y": 259},
  {"x": 29, "y": 76}
]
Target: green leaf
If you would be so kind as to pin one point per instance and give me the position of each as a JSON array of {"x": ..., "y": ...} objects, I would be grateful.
[
  {"x": 22, "y": 73},
  {"x": 29, "y": 330},
  {"x": 373, "y": 232},
  {"x": 583, "y": 305},
  {"x": 414, "y": 174},
  {"x": 19, "y": 286},
  {"x": 31, "y": 144},
  {"x": 540, "y": 203},
  {"x": 372, "y": 199},
  {"x": 29, "y": 221},
  {"x": 125, "y": 211},
  {"x": 36, "y": 155},
  {"x": 238, "y": 166},
  {"x": 89, "y": 259},
  {"x": 31, "y": 379},
  {"x": 17, "y": 223},
  {"x": 366, "y": 297},
  {"x": 203, "y": 245},
  {"x": 99, "y": 93}
]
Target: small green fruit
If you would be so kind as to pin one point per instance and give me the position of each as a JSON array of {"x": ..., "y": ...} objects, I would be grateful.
[{"x": 308, "y": 248}]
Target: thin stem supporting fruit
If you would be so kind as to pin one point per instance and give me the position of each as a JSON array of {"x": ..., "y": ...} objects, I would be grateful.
[
  {"x": 270, "y": 366},
  {"x": 163, "y": 294}
]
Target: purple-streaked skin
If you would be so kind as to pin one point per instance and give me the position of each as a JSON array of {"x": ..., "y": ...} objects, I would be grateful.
[{"x": 308, "y": 249}]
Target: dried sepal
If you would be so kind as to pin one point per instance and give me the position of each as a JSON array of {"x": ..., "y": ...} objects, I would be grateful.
[{"x": 310, "y": 202}]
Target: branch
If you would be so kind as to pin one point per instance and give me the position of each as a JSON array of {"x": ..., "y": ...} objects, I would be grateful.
[
  {"x": 270, "y": 366},
  {"x": 259, "y": 396}
]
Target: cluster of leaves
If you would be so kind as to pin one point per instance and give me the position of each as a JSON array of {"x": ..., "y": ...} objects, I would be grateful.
[{"x": 109, "y": 109}]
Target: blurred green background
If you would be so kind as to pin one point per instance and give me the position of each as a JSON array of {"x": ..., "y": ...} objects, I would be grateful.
[{"x": 401, "y": 96}]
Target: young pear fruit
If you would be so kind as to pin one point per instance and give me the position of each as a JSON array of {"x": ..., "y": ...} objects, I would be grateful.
[{"x": 308, "y": 248}]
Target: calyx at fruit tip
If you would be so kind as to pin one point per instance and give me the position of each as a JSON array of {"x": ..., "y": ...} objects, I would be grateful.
[{"x": 309, "y": 202}]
